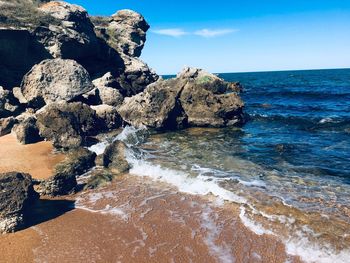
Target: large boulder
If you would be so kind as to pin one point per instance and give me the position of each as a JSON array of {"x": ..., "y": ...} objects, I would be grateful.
[
  {"x": 64, "y": 181},
  {"x": 67, "y": 124},
  {"x": 157, "y": 107},
  {"x": 16, "y": 195},
  {"x": 114, "y": 158},
  {"x": 107, "y": 91},
  {"x": 55, "y": 80},
  {"x": 193, "y": 98}
]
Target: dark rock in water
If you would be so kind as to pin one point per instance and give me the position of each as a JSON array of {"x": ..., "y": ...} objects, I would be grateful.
[
  {"x": 63, "y": 182},
  {"x": 6, "y": 125},
  {"x": 27, "y": 132},
  {"x": 193, "y": 98},
  {"x": 114, "y": 158},
  {"x": 9, "y": 105},
  {"x": 108, "y": 115},
  {"x": 67, "y": 124},
  {"x": 236, "y": 87},
  {"x": 16, "y": 195},
  {"x": 55, "y": 80}
]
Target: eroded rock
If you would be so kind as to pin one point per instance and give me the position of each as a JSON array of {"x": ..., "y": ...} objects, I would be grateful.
[{"x": 114, "y": 158}]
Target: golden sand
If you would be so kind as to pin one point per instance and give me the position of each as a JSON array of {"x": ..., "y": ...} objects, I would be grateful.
[{"x": 36, "y": 159}]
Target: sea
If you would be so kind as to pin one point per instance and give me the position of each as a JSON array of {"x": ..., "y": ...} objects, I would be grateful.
[{"x": 288, "y": 166}]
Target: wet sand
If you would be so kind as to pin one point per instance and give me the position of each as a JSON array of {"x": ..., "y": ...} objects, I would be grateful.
[
  {"x": 137, "y": 220},
  {"x": 36, "y": 159}
]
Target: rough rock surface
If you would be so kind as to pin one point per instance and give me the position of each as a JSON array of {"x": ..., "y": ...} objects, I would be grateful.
[
  {"x": 63, "y": 182},
  {"x": 6, "y": 125},
  {"x": 54, "y": 80},
  {"x": 26, "y": 131},
  {"x": 107, "y": 91},
  {"x": 16, "y": 195},
  {"x": 114, "y": 158},
  {"x": 67, "y": 124},
  {"x": 193, "y": 98},
  {"x": 9, "y": 105},
  {"x": 108, "y": 115}
]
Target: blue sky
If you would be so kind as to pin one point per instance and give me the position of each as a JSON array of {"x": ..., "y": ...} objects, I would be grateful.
[{"x": 240, "y": 36}]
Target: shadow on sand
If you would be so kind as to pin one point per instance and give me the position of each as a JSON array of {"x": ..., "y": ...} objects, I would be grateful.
[{"x": 45, "y": 209}]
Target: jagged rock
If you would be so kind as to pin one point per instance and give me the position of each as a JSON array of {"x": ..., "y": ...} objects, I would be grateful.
[
  {"x": 8, "y": 104},
  {"x": 136, "y": 77},
  {"x": 6, "y": 125},
  {"x": 67, "y": 124},
  {"x": 127, "y": 32},
  {"x": 55, "y": 80},
  {"x": 63, "y": 182},
  {"x": 193, "y": 98},
  {"x": 99, "y": 179},
  {"x": 17, "y": 93},
  {"x": 16, "y": 195},
  {"x": 205, "y": 101},
  {"x": 109, "y": 116},
  {"x": 157, "y": 107},
  {"x": 107, "y": 91},
  {"x": 114, "y": 158},
  {"x": 26, "y": 131}
]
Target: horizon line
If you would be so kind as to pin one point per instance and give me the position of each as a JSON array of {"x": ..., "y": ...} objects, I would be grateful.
[{"x": 267, "y": 71}]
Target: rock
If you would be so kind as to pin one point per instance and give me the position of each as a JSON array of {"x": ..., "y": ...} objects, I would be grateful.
[
  {"x": 109, "y": 116},
  {"x": 63, "y": 182},
  {"x": 157, "y": 107},
  {"x": 114, "y": 158},
  {"x": 107, "y": 80},
  {"x": 127, "y": 32},
  {"x": 99, "y": 179},
  {"x": 67, "y": 124},
  {"x": 55, "y": 80},
  {"x": 193, "y": 98},
  {"x": 16, "y": 196},
  {"x": 27, "y": 132},
  {"x": 6, "y": 125},
  {"x": 136, "y": 77},
  {"x": 236, "y": 87},
  {"x": 17, "y": 93},
  {"x": 107, "y": 90},
  {"x": 8, "y": 104}
]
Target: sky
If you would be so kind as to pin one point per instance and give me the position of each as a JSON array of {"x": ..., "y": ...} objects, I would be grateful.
[{"x": 240, "y": 35}]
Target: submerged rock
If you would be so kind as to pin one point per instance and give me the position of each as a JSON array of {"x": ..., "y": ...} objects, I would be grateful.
[
  {"x": 193, "y": 98},
  {"x": 55, "y": 80},
  {"x": 16, "y": 195},
  {"x": 64, "y": 181},
  {"x": 99, "y": 179},
  {"x": 67, "y": 124},
  {"x": 114, "y": 158}
]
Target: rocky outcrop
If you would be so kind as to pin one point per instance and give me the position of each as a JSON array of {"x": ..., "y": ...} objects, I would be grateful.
[
  {"x": 16, "y": 195},
  {"x": 114, "y": 158},
  {"x": 108, "y": 115},
  {"x": 63, "y": 181},
  {"x": 6, "y": 125},
  {"x": 67, "y": 124},
  {"x": 55, "y": 80},
  {"x": 9, "y": 105},
  {"x": 107, "y": 91},
  {"x": 193, "y": 98},
  {"x": 26, "y": 131}
]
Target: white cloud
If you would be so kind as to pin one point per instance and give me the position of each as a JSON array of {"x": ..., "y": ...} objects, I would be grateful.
[
  {"x": 208, "y": 33},
  {"x": 172, "y": 32}
]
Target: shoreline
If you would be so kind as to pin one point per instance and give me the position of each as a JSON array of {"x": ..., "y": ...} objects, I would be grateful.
[{"x": 157, "y": 223}]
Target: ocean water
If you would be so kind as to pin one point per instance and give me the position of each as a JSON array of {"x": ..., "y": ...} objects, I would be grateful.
[{"x": 288, "y": 166}]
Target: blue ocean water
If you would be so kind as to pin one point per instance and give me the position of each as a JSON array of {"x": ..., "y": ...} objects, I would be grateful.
[{"x": 300, "y": 117}]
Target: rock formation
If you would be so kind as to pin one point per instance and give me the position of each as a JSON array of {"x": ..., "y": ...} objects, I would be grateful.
[
  {"x": 193, "y": 98},
  {"x": 114, "y": 158},
  {"x": 16, "y": 195}
]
